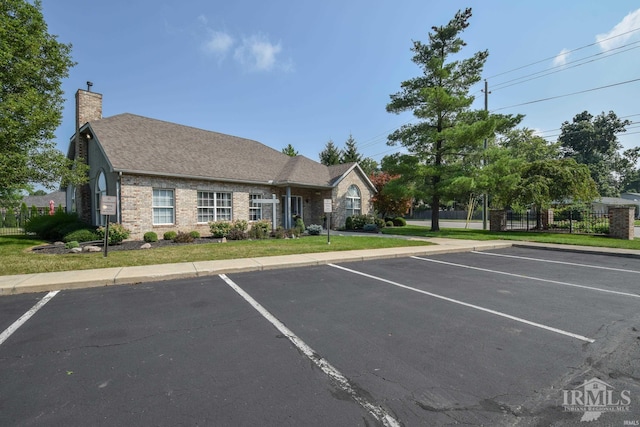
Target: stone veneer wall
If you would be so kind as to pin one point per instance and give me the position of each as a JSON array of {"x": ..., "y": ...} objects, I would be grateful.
[
  {"x": 136, "y": 196},
  {"x": 621, "y": 224},
  {"x": 339, "y": 199}
]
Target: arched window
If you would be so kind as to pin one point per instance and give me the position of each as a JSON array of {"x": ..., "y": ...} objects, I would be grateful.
[
  {"x": 354, "y": 204},
  {"x": 101, "y": 190}
]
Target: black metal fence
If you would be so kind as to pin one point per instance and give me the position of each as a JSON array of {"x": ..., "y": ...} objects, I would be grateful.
[
  {"x": 457, "y": 214},
  {"x": 561, "y": 221}
]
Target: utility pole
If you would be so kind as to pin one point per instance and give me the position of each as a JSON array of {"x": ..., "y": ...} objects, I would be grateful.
[{"x": 485, "y": 196}]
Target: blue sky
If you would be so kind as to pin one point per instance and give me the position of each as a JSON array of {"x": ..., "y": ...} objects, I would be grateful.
[{"x": 301, "y": 73}]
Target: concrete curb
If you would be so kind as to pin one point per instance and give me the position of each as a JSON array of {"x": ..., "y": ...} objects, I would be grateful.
[{"x": 44, "y": 282}]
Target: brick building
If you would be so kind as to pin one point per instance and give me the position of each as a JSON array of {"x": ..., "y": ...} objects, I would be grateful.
[{"x": 167, "y": 176}]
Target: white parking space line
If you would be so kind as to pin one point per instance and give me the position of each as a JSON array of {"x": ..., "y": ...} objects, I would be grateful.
[
  {"x": 466, "y": 304},
  {"x": 522, "y": 276},
  {"x": 343, "y": 382},
  {"x": 15, "y": 325},
  {"x": 557, "y": 262}
]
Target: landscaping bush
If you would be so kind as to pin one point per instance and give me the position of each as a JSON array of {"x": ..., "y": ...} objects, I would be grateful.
[
  {"x": 117, "y": 233},
  {"x": 279, "y": 233},
  {"x": 150, "y": 237},
  {"x": 183, "y": 237},
  {"x": 389, "y": 223},
  {"x": 314, "y": 230},
  {"x": 298, "y": 225},
  {"x": 195, "y": 234},
  {"x": 54, "y": 227},
  {"x": 24, "y": 214},
  {"x": 348, "y": 223},
  {"x": 169, "y": 235},
  {"x": 259, "y": 230},
  {"x": 82, "y": 235},
  {"x": 359, "y": 221},
  {"x": 369, "y": 227},
  {"x": 240, "y": 224},
  {"x": 220, "y": 228},
  {"x": 10, "y": 219},
  {"x": 236, "y": 234},
  {"x": 72, "y": 244},
  {"x": 399, "y": 222}
]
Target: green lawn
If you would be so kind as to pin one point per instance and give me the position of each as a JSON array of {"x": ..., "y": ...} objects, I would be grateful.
[
  {"x": 561, "y": 238},
  {"x": 17, "y": 258}
]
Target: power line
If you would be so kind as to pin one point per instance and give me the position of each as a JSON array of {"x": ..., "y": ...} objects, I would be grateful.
[
  {"x": 560, "y": 68},
  {"x": 567, "y": 94},
  {"x": 564, "y": 53}
]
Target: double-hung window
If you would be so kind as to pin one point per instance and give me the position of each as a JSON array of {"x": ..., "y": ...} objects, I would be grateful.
[
  {"x": 214, "y": 206},
  {"x": 163, "y": 206}
]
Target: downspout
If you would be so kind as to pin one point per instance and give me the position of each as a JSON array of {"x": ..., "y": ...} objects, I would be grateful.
[{"x": 119, "y": 196}]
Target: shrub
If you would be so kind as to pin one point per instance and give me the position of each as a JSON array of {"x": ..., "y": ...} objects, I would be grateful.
[
  {"x": 183, "y": 237},
  {"x": 195, "y": 234},
  {"x": 54, "y": 227},
  {"x": 117, "y": 233},
  {"x": 220, "y": 228},
  {"x": 359, "y": 221},
  {"x": 369, "y": 227},
  {"x": 34, "y": 211},
  {"x": 399, "y": 222},
  {"x": 169, "y": 235},
  {"x": 259, "y": 230},
  {"x": 389, "y": 223},
  {"x": 279, "y": 233},
  {"x": 72, "y": 244},
  {"x": 314, "y": 230},
  {"x": 299, "y": 226},
  {"x": 348, "y": 224},
  {"x": 83, "y": 235},
  {"x": 24, "y": 214},
  {"x": 10, "y": 219},
  {"x": 240, "y": 224},
  {"x": 150, "y": 237},
  {"x": 236, "y": 234}
]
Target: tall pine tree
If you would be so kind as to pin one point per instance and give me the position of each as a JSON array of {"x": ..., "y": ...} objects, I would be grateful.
[
  {"x": 330, "y": 155},
  {"x": 445, "y": 143}
]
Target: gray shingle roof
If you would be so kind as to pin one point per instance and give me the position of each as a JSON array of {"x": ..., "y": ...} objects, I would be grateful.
[
  {"x": 58, "y": 197},
  {"x": 138, "y": 144}
]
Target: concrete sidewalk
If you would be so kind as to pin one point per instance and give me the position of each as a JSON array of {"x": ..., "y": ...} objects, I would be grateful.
[{"x": 43, "y": 282}]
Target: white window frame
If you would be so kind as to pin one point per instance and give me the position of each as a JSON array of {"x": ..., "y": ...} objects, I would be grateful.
[
  {"x": 216, "y": 206},
  {"x": 255, "y": 209},
  {"x": 353, "y": 201},
  {"x": 159, "y": 204}
]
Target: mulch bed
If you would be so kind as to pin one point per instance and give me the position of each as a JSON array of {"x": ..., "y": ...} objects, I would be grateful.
[{"x": 130, "y": 245}]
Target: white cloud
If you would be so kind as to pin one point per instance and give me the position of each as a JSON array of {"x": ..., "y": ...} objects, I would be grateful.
[
  {"x": 218, "y": 43},
  {"x": 257, "y": 53},
  {"x": 561, "y": 58},
  {"x": 616, "y": 37}
]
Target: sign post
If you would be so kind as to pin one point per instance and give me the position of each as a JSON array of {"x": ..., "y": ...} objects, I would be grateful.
[
  {"x": 107, "y": 207},
  {"x": 328, "y": 208},
  {"x": 273, "y": 201}
]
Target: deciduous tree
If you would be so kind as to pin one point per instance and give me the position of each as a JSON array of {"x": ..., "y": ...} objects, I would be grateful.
[{"x": 32, "y": 66}]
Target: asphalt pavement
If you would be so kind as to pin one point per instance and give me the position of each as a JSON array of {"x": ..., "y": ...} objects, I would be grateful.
[{"x": 504, "y": 336}]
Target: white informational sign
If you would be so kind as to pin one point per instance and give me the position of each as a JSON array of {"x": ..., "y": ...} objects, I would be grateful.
[
  {"x": 108, "y": 205},
  {"x": 328, "y": 208}
]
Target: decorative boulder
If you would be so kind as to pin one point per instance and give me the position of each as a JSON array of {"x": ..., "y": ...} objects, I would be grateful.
[
  {"x": 75, "y": 250},
  {"x": 146, "y": 246},
  {"x": 92, "y": 249}
]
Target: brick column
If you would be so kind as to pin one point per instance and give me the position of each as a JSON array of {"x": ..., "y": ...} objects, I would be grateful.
[
  {"x": 621, "y": 222},
  {"x": 497, "y": 220}
]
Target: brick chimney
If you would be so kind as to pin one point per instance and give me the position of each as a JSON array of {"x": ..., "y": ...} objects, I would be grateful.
[{"x": 88, "y": 108}]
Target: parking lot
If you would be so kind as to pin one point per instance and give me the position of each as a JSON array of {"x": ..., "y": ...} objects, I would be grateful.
[{"x": 504, "y": 337}]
